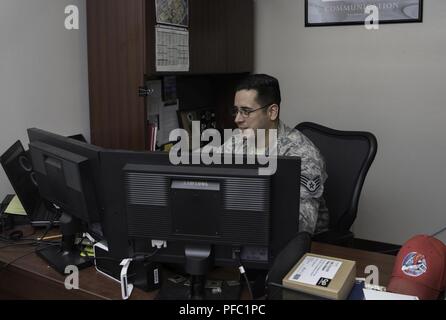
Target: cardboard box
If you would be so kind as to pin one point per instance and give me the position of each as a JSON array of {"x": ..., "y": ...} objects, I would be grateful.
[{"x": 322, "y": 276}]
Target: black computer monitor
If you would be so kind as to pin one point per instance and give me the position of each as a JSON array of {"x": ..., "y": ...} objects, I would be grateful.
[
  {"x": 67, "y": 175},
  {"x": 89, "y": 151},
  {"x": 218, "y": 215},
  {"x": 18, "y": 168}
]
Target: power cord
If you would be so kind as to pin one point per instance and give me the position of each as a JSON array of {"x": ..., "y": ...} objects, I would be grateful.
[
  {"x": 30, "y": 243},
  {"x": 142, "y": 256},
  {"x": 24, "y": 255},
  {"x": 48, "y": 228},
  {"x": 19, "y": 242},
  {"x": 390, "y": 250},
  {"x": 438, "y": 232},
  {"x": 138, "y": 257},
  {"x": 34, "y": 242},
  {"x": 432, "y": 235},
  {"x": 243, "y": 273}
]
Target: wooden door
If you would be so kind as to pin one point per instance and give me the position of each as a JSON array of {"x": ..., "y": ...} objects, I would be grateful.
[{"x": 116, "y": 55}]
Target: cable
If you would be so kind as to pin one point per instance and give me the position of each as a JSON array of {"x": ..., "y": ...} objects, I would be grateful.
[
  {"x": 16, "y": 244},
  {"x": 36, "y": 242},
  {"x": 82, "y": 248},
  {"x": 438, "y": 232},
  {"x": 5, "y": 239},
  {"x": 31, "y": 241},
  {"x": 138, "y": 257},
  {"x": 397, "y": 249},
  {"x": 243, "y": 273},
  {"x": 49, "y": 226},
  {"x": 26, "y": 254},
  {"x": 389, "y": 251},
  {"x": 39, "y": 241},
  {"x": 142, "y": 256},
  {"x": 21, "y": 238},
  {"x": 107, "y": 258}
]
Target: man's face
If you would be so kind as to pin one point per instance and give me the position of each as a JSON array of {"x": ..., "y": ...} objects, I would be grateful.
[{"x": 260, "y": 119}]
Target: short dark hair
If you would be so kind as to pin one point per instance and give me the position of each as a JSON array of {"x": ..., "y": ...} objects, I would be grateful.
[{"x": 267, "y": 87}]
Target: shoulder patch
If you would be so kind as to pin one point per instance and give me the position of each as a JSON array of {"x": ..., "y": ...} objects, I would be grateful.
[{"x": 312, "y": 185}]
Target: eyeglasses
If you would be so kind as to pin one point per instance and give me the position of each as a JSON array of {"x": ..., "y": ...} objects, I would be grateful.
[{"x": 246, "y": 112}]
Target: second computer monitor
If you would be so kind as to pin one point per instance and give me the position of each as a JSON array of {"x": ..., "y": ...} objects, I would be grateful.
[{"x": 88, "y": 151}]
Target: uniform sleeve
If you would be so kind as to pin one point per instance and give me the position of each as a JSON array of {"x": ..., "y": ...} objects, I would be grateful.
[{"x": 312, "y": 181}]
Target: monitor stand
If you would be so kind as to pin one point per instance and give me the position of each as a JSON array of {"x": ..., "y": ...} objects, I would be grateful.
[
  {"x": 67, "y": 253},
  {"x": 198, "y": 263}
]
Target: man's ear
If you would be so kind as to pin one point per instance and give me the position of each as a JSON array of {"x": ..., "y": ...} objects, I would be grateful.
[{"x": 273, "y": 112}]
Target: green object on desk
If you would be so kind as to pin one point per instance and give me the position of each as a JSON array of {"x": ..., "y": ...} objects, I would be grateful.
[
  {"x": 88, "y": 250},
  {"x": 15, "y": 207}
]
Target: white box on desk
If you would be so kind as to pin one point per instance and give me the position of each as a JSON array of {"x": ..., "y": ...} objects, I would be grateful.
[{"x": 323, "y": 276}]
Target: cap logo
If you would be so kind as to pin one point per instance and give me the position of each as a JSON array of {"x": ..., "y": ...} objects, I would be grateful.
[{"x": 414, "y": 264}]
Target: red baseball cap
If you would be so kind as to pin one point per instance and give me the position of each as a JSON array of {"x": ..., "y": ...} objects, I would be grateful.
[{"x": 420, "y": 268}]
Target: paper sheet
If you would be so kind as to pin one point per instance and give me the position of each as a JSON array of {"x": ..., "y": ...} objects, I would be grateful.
[
  {"x": 313, "y": 269},
  {"x": 15, "y": 207},
  {"x": 383, "y": 295},
  {"x": 172, "y": 49},
  {"x": 168, "y": 122}
]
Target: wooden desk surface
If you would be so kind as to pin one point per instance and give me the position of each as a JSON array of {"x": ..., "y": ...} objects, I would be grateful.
[
  {"x": 31, "y": 278},
  {"x": 384, "y": 262}
]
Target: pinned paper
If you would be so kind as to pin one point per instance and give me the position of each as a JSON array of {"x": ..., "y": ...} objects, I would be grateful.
[{"x": 15, "y": 207}]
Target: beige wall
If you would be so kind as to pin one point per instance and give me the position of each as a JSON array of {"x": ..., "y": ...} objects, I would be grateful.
[
  {"x": 43, "y": 72},
  {"x": 391, "y": 82}
]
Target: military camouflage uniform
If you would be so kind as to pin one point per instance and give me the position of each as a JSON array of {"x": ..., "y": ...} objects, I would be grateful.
[{"x": 313, "y": 216}]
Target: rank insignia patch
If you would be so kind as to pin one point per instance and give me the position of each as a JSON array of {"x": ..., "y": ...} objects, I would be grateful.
[{"x": 312, "y": 185}]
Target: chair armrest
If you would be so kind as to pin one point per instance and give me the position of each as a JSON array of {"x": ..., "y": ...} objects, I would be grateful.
[
  {"x": 289, "y": 256},
  {"x": 340, "y": 238}
]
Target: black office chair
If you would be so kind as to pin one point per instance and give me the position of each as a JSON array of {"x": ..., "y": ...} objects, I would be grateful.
[
  {"x": 348, "y": 156},
  {"x": 288, "y": 257}
]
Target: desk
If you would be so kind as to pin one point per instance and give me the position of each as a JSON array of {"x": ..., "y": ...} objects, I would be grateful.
[
  {"x": 363, "y": 259},
  {"x": 31, "y": 278}
]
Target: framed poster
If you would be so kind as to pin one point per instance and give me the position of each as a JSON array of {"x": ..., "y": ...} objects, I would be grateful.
[{"x": 349, "y": 12}]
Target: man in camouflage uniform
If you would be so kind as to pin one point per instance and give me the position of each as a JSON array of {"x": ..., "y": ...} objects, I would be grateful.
[{"x": 257, "y": 106}]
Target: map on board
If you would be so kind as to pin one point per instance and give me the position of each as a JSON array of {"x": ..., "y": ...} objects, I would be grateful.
[{"x": 175, "y": 12}]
